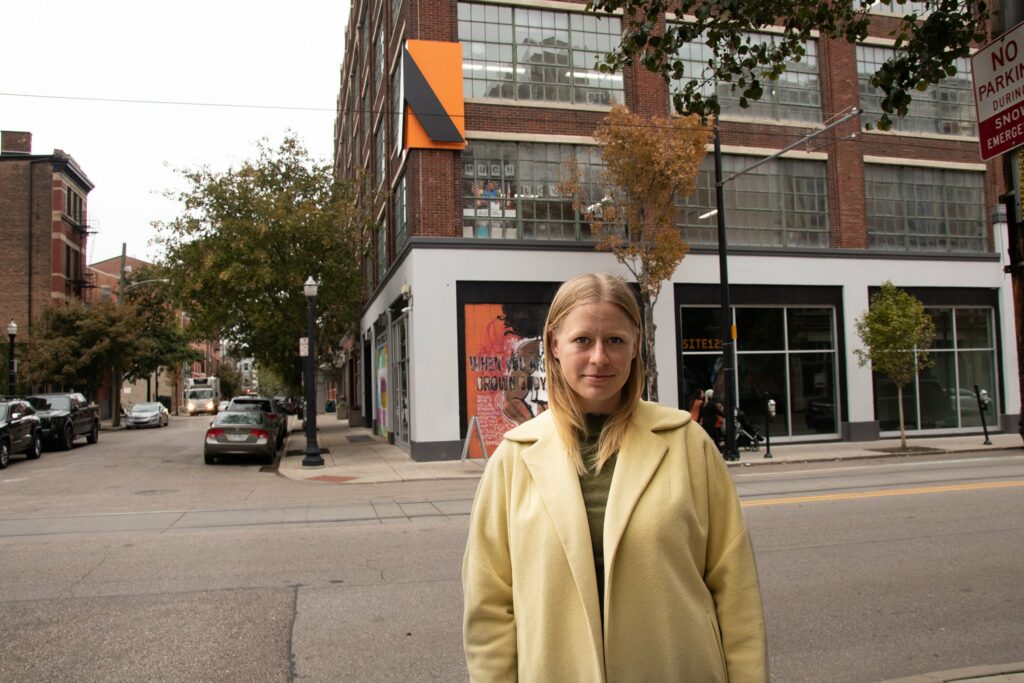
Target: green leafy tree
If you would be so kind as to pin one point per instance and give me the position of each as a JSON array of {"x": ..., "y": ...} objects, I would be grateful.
[
  {"x": 230, "y": 379},
  {"x": 162, "y": 341},
  {"x": 649, "y": 162},
  {"x": 80, "y": 346},
  {"x": 896, "y": 333},
  {"x": 927, "y": 45},
  {"x": 245, "y": 242}
]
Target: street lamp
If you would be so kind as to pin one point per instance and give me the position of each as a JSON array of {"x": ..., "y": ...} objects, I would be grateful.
[
  {"x": 312, "y": 457},
  {"x": 12, "y": 332}
]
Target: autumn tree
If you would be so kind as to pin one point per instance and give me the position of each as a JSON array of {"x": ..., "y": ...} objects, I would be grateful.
[
  {"x": 246, "y": 240},
  {"x": 896, "y": 333},
  {"x": 649, "y": 164},
  {"x": 927, "y": 44}
]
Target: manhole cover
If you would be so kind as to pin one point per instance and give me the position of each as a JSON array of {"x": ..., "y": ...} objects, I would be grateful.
[
  {"x": 155, "y": 492},
  {"x": 360, "y": 438}
]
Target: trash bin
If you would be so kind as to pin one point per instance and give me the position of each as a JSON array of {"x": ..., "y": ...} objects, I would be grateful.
[{"x": 329, "y": 407}]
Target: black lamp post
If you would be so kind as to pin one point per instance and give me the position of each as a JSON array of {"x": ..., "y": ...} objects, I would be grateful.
[
  {"x": 312, "y": 457},
  {"x": 12, "y": 378}
]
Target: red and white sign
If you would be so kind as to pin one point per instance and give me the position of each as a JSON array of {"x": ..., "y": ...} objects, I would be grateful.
[
  {"x": 998, "y": 70},
  {"x": 303, "y": 346}
]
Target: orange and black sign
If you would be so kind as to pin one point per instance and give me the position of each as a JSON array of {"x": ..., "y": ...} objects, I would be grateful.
[
  {"x": 435, "y": 116},
  {"x": 702, "y": 344}
]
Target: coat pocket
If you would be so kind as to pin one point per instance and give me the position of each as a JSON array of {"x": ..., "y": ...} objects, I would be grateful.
[{"x": 716, "y": 634}]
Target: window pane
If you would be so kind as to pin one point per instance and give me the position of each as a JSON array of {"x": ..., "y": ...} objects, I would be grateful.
[
  {"x": 761, "y": 374},
  {"x": 943, "y": 320},
  {"x": 936, "y": 387},
  {"x": 810, "y": 328},
  {"x": 759, "y": 329},
  {"x": 887, "y": 407},
  {"x": 974, "y": 328},
  {"x": 812, "y": 384}
]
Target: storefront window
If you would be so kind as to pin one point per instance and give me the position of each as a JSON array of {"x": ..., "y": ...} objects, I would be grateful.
[
  {"x": 942, "y": 395},
  {"x": 400, "y": 400},
  {"x": 786, "y": 354}
]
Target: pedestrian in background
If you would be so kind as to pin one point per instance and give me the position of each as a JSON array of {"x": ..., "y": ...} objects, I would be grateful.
[{"x": 606, "y": 540}]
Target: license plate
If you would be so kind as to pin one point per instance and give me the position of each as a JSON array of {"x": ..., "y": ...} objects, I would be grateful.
[{"x": 237, "y": 437}]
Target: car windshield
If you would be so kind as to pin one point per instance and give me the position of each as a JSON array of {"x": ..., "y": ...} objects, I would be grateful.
[
  {"x": 146, "y": 408},
  {"x": 3, "y": 411},
  {"x": 251, "y": 404},
  {"x": 200, "y": 393},
  {"x": 50, "y": 402},
  {"x": 250, "y": 418}
]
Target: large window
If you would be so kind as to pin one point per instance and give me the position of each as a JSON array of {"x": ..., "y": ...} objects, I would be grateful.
[
  {"x": 925, "y": 209},
  {"x": 382, "y": 152},
  {"x": 787, "y": 354},
  {"x": 516, "y": 53},
  {"x": 513, "y": 190},
  {"x": 942, "y": 396},
  {"x": 946, "y": 108},
  {"x": 794, "y": 96},
  {"x": 379, "y": 57},
  {"x": 781, "y": 203}
]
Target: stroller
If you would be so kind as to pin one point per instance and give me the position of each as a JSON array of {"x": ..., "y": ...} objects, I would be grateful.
[{"x": 747, "y": 436}]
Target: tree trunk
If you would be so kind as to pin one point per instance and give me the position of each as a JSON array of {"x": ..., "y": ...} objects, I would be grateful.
[
  {"x": 650, "y": 363},
  {"x": 903, "y": 429}
]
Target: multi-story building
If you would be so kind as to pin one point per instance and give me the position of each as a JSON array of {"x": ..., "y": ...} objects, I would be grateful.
[
  {"x": 43, "y": 229},
  {"x": 462, "y": 116}
]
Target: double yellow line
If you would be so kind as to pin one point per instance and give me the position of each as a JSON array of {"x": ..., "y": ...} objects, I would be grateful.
[{"x": 880, "y": 494}]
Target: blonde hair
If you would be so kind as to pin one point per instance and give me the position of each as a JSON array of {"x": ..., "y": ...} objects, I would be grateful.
[{"x": 563, "y": 402}]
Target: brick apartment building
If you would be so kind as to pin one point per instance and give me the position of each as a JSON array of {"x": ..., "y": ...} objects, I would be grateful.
[
  {"x": 474, "y": 236},
  {"x": 43, "y": 230}
]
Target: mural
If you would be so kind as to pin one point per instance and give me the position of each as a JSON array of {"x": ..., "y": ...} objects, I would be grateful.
[
  {"x": 505, "y": 380},
  {"x": 381, "y": 395}
]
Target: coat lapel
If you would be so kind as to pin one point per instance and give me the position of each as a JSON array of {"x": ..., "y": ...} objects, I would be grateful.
[
  {"x": 639, "y": 457},
  {"x": 559, "y": 488}
]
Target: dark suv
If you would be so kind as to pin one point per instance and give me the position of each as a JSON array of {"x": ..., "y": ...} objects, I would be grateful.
[{"x": 19, "y": 430}]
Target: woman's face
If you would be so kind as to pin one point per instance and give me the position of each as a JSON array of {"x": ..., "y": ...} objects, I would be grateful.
[{"x": 595, "y": 346}]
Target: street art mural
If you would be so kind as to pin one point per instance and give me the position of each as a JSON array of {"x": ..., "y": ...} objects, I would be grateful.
[
  {"x": 381, "y": 397},
  {"x": 506, "y": 384}
]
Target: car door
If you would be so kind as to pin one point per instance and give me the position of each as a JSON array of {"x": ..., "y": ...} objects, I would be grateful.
[{"x": 21, "y": 427}]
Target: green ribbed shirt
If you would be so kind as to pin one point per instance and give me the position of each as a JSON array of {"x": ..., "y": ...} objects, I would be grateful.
[{"x": 595, "y": 487}]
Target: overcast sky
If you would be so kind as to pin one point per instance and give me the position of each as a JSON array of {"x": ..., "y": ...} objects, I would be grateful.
[{"x": 238, "y": 52}]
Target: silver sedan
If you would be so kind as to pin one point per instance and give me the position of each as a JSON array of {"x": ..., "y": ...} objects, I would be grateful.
[
  {"x": 146, "y": 415},
  {"x": 240, "y": 433}
]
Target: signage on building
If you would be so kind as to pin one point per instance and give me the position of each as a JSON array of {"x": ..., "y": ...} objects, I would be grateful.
[
  {"x": 431, "y": 83},
  {"x": 998, "y": 70}
]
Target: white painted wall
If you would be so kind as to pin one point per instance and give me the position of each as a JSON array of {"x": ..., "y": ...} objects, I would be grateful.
[{"x": 433, "y": 324}]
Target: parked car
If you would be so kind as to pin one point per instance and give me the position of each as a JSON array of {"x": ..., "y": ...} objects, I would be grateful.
[
  {"x": 147, "y": 415},
  {"x": 64, "y": 417},
  {"x": 246, "y": 432},
  {"x": 19, "y": 430},
  {"x": 222, "y": 406},
  {"x": 268, "y": 406}
]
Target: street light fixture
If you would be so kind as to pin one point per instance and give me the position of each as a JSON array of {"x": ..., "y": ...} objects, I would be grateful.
[
  {"x": 312, "y": 457},
  {"x": 12, "y": 332}
]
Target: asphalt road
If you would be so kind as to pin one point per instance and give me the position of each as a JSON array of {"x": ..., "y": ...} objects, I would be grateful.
[{"x": 132, "y": 560}]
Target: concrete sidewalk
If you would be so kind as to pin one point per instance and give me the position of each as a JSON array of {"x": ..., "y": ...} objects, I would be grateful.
[{"x": 355, "y": 455}]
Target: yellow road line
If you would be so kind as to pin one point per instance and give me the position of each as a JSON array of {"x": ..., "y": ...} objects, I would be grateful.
[{"x": 880, "y": 494}]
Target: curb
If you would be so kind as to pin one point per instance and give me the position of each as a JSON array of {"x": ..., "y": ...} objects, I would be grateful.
[
  {"x": 1007, "y": 673},
  {"x": 858, "y": 456}
]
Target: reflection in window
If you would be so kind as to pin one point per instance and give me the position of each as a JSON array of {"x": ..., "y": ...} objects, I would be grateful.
[
  {"x": 539, "y": 55},
  {"x": 942, "y": 396},
  {"x": 946, "y": 108},
  {"x": 781, "y": 203},
  {"x": 794, "y": 96},
  {"x": 512, "y": 190},
  {"x": 787, "y": 354},
  {"x": 925, "y": 209}
]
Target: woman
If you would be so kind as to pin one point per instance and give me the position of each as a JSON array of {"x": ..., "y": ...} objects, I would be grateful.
[{"x": 606, "y": 541}]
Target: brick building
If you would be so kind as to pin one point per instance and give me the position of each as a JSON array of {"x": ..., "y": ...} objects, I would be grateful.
[
  {"x": 474, "y": 236},
  {"x": 43, "y": 229}
]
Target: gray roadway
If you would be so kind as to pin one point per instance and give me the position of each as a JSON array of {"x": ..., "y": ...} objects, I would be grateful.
[{"x": 131, "y": 560}]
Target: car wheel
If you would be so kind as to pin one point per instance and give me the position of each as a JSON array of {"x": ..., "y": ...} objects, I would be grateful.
[
  {"x": 94, "y": 435},
  {"x": 208, "y": 459},
  {"x": 36, "y": 449},
  {"x": 5, "y": 454},
  {"x": 68, "y": 441}
]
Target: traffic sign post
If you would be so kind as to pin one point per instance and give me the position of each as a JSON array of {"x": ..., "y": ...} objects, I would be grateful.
[
  {"x": 998, "y": 72},
  {"x": 303, "y": 347}
]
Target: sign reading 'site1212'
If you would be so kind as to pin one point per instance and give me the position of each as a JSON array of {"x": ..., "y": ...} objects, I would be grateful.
[{"x": 998, "y": 70}]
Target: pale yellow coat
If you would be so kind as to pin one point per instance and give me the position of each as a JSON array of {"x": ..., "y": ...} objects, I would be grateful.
[{"x": 681, "y": 601}]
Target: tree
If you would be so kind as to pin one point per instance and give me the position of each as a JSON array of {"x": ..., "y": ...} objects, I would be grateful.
[
  {"x": 248, "y": 238},
  {"x": 649, "y": 164},
  {"x": 77, "y": 346},
  {"x": 230, "y": 379},
  {"x": 927, "y": 45},
  {"x": 896, "y": 333}
]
